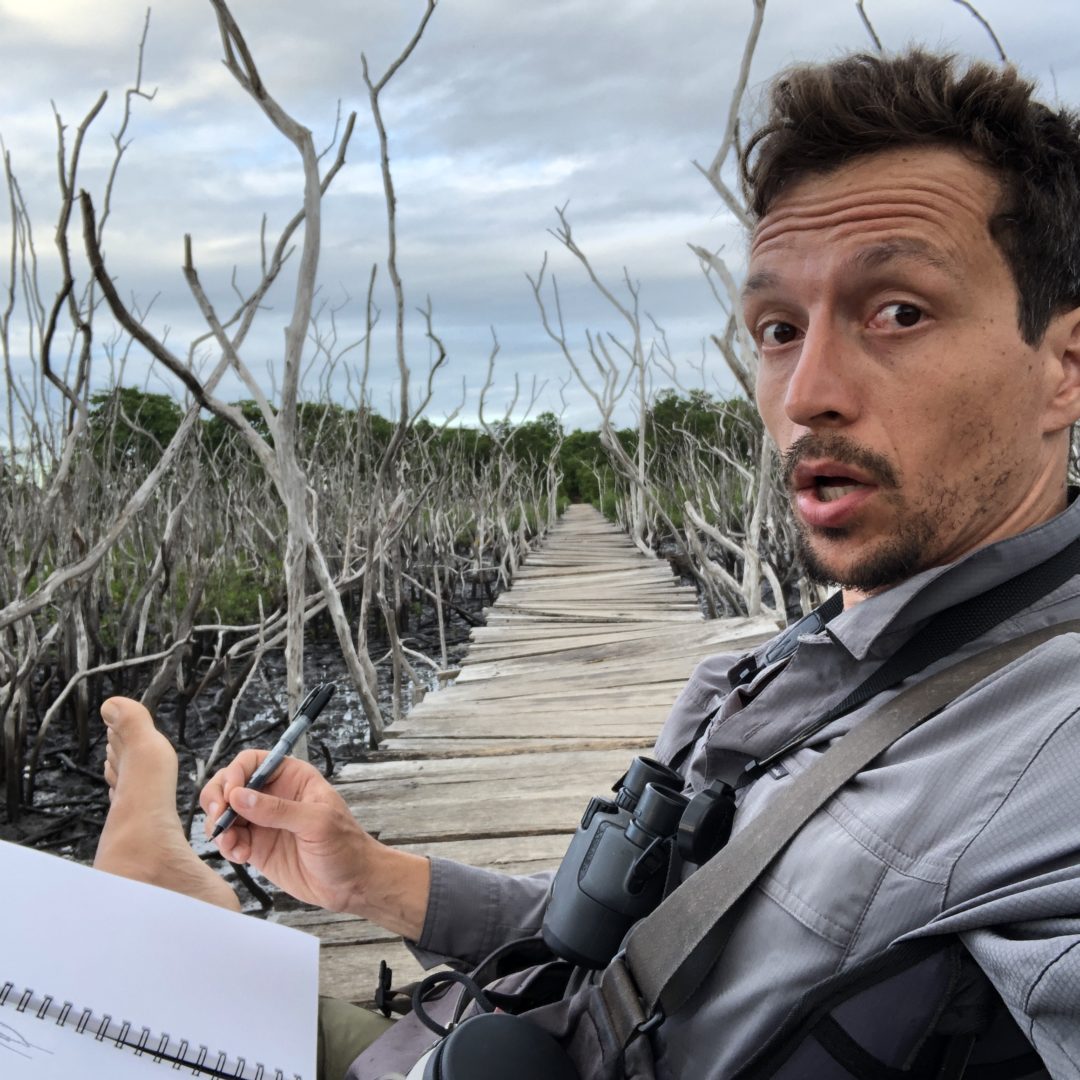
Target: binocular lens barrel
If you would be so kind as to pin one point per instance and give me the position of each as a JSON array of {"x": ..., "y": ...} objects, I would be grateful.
[
  {"x": 642, "y": 772},
  {"x": 659, "y": 810}
]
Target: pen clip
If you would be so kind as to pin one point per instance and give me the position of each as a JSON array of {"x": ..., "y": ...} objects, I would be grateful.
[
  {"x": 310, "y": 698},
  {"x": 315, "y": 702}
]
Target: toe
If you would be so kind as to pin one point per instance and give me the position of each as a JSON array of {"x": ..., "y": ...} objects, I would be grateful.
[
  {"x": 129, "y": 724},
  {"x": 122, "y": 713}
]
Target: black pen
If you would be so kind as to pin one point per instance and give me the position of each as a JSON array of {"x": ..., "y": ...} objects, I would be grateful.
[{"x": 310, "y": 707}]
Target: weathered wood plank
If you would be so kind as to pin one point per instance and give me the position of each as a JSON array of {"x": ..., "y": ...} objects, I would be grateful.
[
  {"x": 566, "y": 649},
  {"x": 644, "y": 650},
  {"x": 459, "y": 745},
  {"x": 375, "y": 773}
]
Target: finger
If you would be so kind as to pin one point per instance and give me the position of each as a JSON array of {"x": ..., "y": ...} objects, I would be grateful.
[
  {"x": 235, "y": 843},
  {"x": 272, "y": 812},
  {"x": 214, "y": 796},
  {"x": 238, "y": 772}
]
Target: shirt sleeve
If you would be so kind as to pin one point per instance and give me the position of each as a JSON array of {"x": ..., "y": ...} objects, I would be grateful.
[
  {"x": 472, "y": 912},
  {"x": 1014, "y": 891},
  {"x": 1036, "y": 969}
]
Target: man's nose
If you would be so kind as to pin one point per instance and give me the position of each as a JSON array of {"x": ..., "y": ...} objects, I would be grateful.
[{"x": 822, "y": 389}]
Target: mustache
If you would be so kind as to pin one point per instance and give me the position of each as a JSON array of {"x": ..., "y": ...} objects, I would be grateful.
[{"x": 842, "y": 450}]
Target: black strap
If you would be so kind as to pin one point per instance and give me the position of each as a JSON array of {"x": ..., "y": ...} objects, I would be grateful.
[
  {"x": 945, "y": 635},
  {"x": 898, "y": 965},
  {"x": 437, "y": 979},
  {"x": 781, "y": 648},
  {"x": 669, "y": 953}
]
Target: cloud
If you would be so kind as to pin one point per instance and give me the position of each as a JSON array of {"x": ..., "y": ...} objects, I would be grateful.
[{"x": 504, "y": 112}]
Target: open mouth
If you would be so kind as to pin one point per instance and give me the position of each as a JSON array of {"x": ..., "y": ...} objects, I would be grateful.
[
  {"x": 830, "y": 494},
  {"x": 833, "y": 488}
]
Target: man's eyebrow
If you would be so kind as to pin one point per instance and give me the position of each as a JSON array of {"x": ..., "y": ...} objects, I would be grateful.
[
  {"x": 762, "y": 279},
  {"x": 878, "y": 255}
]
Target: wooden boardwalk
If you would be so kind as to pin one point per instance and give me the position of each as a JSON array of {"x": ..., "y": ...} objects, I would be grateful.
[{"x": 571, "y": 677}]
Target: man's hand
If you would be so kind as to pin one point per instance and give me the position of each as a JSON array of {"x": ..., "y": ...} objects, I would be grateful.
[{"x": 299, "y": 832}]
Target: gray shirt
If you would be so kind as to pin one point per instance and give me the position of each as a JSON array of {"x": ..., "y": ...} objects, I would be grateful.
[{"x": 968, "y": 825}]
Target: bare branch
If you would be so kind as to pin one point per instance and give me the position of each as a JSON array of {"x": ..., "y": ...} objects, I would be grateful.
[
  {"x": 860, "y": 6},
  {"x": 977, "y": 15}
]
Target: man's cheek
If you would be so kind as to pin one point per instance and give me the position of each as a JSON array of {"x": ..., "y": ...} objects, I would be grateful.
[{"x": 769, "y": 400}]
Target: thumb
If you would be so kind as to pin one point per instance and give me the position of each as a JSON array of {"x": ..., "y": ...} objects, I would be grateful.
[{"x": 271, "y": 811}]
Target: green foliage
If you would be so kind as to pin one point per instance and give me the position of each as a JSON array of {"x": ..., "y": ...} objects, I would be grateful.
[
  {"x": 731, "y": 423},
  {"x": 222, "y": 441},
  {"x": 580, "y": 458},
  {"x": 233, "y": 590},
  {"x": 466, "y": 444},
  {"x": 534, "y": 441},
  {"x": 325, "y": 428},
  {"x": 130, "y": 426}
]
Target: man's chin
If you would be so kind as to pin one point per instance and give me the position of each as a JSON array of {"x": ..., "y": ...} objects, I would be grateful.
[{"x": 834, "y": 557}]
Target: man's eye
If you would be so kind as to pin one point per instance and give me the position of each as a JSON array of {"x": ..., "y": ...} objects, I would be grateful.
[
  {"x": 778, "y": 333},
  {"x": 899, "y": 315}
]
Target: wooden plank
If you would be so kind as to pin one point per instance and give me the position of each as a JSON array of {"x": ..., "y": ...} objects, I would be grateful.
[
  {"x": 568, "y": 647},
  {"x": 586, "y": 677},
  {"x": 600, "y": 686},
  {"x": 566, "y": 614},
  {"x": 449, "y": 772},
  {"x": 643, "y": 651},
  {"x": 463, "y": 745}
]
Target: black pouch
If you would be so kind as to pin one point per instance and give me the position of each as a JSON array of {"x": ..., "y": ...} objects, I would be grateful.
[
  {"x": 518, "y": 977},
  {"x": 499, "y": 1046}
]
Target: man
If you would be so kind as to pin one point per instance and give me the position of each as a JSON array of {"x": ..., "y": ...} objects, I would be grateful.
[{"x": 914, "y": 292}]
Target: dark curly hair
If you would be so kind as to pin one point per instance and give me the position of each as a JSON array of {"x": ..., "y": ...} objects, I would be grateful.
[{"x": 824, "y": 115}]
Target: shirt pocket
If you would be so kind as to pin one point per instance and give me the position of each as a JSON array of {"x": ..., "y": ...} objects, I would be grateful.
[
  {"x": 852, "y": 891},
  {"x": 825, "y": 880}
]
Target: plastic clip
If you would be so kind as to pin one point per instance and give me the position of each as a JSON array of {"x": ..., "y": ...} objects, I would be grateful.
[
  {"x": 651, "y": 1024},
  {"x": 383, "y": 992}
]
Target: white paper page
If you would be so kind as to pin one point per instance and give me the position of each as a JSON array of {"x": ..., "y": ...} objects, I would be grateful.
[
  {"x": 32, "y": 1049},
  {"x": 158, "y": 960}
]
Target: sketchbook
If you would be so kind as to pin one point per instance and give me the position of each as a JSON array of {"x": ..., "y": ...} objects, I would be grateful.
[{"x": 102, "y": 977}]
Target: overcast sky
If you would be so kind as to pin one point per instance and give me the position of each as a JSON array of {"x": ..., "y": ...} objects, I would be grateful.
[{"x": 505, "y": 111}]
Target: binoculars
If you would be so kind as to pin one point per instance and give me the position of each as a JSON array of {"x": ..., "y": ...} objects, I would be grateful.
[{"x": 625, "y": 857}]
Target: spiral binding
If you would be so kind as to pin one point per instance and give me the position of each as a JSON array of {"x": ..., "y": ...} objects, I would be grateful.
[{"x": 103, "y": 1028}]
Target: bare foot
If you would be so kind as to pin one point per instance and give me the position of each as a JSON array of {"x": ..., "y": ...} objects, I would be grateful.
[{"x": 143, "y": 838}]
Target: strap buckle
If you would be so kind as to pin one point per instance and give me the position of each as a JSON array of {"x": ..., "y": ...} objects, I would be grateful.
[
  {"x": 649, "y": 1024},
  {"x": 624, "y": 1003},
  {"x": 383, "y": 993}
]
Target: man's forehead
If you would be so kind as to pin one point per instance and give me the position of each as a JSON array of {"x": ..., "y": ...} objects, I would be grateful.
[
  {"x": 927, "y": 205},
  {"x": 899, "y": 173}
]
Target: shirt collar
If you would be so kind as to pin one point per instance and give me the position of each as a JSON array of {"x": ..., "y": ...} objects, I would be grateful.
[{"x": 873, "y": 624}]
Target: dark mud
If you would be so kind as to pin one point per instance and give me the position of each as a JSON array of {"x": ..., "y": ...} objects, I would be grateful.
[{"x": 71, "y": 800}]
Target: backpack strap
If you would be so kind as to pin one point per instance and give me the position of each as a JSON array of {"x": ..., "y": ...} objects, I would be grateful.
[
  {"x": 853, "y": 1017},
  {"x": 669, "y": 953}
]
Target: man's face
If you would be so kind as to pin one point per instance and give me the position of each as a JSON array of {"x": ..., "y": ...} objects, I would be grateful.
[{"x": 915, "y": 423}]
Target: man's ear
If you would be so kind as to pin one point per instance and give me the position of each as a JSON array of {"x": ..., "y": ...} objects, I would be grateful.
[{"x": 1063, "y": 343}]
